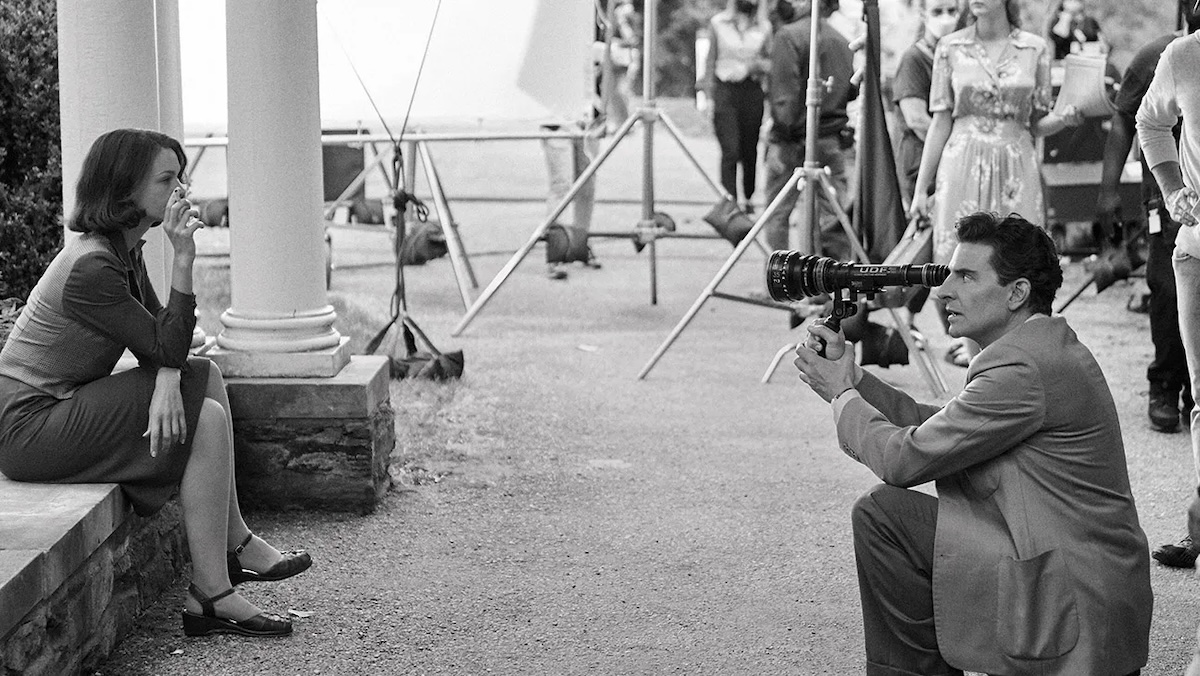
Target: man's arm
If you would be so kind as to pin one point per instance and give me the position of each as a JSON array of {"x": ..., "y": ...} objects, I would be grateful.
[
  {"x": 1001, "y": 405},
  {"x": 787, "y": 87},
  {"x": 1116, "y": 151},
  {"x": 1155, "y": 118}
]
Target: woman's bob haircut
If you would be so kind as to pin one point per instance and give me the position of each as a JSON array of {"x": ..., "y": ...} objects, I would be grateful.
[{"x": 115, "y": 166}]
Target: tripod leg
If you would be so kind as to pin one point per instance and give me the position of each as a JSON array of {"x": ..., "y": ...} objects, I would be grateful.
[
  {"x": 722, "y": 273},
  {"x": 843, "y": 218},
  {"x": 926, "y": 363},
  {"x": 775, "y": 362},
  {"x": 649, "y": 115},
  {"x": 458, "y": 255},
  {"x": 675, "y": 133},
  {"x": 521, "y": 253},
  {"x": 1082, "y": 287},
  {"x": 377, "y": 160}
]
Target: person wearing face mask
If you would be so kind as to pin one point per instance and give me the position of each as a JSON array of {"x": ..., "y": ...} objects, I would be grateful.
[
  {"x": 910, "y": 88},
  {"x": 737, "y": 65}
]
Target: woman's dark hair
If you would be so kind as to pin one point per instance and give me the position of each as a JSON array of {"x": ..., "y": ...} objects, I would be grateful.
[
  {"x": 115, "y": 166},
  {"x": 1019, "y": 249}
]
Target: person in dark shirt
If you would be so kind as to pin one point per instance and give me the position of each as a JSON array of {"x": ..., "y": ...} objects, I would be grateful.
[
  {"x": 1170, "y": 398},
  {"x": 1069, "y": 25},
  {"x": 785, "y": 152},
  {"x": 910, "y": 88},
  {"x": 162, "y": 427}
]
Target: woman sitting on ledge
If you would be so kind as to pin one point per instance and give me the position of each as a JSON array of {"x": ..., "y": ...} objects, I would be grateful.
[{"x": 161, "y": 427}]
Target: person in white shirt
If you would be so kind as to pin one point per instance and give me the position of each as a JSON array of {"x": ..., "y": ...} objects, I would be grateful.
[
  {"x": 1174, "y": 93},
  {"x": 738, "y": 61}
]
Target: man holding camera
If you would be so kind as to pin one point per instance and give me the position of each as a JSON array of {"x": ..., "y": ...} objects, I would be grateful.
[{"x": 1031, "y": 558}]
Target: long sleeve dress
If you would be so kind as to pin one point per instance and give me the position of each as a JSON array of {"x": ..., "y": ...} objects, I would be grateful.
[
  {"x": 64, "y": 416},
  {"x": 990, "y": 162}
]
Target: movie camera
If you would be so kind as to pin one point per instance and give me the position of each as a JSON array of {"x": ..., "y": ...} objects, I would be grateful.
[{"x": 792, "y": 276}]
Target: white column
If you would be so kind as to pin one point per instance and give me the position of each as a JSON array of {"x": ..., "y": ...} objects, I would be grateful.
[
  {"x": 158, "y": 252},
  {"x": 107, "y": 76},
  {"x": 280, "y": 322}
]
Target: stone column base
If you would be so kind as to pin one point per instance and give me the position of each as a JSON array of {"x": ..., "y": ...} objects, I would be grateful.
[
  {"x": 314, "y": 363},
  {"x": 314, "y": 443}
]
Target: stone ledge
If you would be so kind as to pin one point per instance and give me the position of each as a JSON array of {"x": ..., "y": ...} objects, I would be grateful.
[
  {"x": 46, "y": 532},
  {"x": 76, "y": 568},
  {"x": 359, "y": 387}
]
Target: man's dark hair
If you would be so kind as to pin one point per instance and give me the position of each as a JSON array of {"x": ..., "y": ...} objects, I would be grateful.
[
  {"x": 115, "y": 166},
  {"x": 1019, "y": 249}
]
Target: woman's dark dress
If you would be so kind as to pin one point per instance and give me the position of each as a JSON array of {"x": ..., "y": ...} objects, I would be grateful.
[{"x": 64, "y": 417}]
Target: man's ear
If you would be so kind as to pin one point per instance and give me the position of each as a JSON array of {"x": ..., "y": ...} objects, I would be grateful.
[{"x": 1019, "y": 294}]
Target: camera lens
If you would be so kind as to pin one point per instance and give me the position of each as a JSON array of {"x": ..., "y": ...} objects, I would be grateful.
[{"x": 792, "y": 275}]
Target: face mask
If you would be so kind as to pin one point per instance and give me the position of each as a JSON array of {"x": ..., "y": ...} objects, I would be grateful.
[
  {"x": 941, "y": 24},
  {"x": 745, "y": 6}
]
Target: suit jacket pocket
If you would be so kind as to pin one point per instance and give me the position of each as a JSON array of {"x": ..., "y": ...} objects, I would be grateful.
[{"x": 1036, "y": 616}]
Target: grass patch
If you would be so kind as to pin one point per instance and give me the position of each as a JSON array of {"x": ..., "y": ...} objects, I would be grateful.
[{"x": 424, "y": 453}]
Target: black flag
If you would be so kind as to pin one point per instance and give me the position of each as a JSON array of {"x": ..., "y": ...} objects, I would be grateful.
[{"x": 879, "y": 210}]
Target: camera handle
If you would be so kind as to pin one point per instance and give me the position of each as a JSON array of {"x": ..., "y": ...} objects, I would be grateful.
[{"x": 842, "y": 308}]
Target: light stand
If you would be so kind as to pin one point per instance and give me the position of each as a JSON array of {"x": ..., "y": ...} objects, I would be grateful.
[
  {"x": 812, "y": 174},
  {"x": 649, "y": 229}
]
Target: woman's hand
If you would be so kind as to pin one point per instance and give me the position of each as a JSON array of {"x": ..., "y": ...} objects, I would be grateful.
[
  {"x": 167, "y": 425},
  {"x": 1070, "y": 116},
  {"x": 919, "y": 209},
  {"x": 180, "y": 222}
]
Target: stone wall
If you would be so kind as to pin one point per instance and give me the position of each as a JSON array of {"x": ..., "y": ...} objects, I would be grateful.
[
  {"x": 79, "y": 624},
  {"x": 332, "y": 464},
  {"x": 314, "y": 443}
]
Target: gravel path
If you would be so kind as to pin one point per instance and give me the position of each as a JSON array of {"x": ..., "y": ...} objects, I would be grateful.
[{"x": 552, "y": 514}]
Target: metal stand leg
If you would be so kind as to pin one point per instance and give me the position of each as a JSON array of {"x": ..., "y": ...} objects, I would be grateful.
[
  {"x": 540, "y": 232},
  {"x": 783, "y": 351},
  {"x": 710, "y": 290},
  {"x": 463, "y": 273}
]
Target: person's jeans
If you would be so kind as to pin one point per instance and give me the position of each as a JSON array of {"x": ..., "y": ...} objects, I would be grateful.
[
  {"x": 1169, "y": 367},
  {"x": 737, "y": 118},
  {"x": 1187, "y": 293},
  {"x": 783, "y": 158},
  {"x": 566, "y": 160}
]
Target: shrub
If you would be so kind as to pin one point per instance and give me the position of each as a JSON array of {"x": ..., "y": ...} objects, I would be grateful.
[{"x": 30, "y": 155}]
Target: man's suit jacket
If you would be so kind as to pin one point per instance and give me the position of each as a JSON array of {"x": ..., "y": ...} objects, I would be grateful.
[{"x": 1040, "y": 565}]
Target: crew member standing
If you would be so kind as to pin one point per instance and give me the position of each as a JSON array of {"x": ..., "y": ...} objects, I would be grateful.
[{"x": 738, "y": 62}]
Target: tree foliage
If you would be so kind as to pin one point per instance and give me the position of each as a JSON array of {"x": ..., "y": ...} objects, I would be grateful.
[{"x": 30, "y": 155}]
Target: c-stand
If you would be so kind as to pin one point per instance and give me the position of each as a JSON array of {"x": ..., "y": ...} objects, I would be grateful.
[
  {"x": 812, "y": 174},
  {"x": 652, "y": 226}
]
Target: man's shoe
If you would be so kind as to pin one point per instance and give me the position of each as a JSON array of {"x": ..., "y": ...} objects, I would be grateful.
[
  {"x": 1163, "y": 409},
  {"x": 1180, "y": 555},
  {"x": 555, "y": 271}
]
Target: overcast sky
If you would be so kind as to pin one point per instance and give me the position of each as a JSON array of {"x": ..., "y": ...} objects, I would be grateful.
[{"x": 490, "y": 62}]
